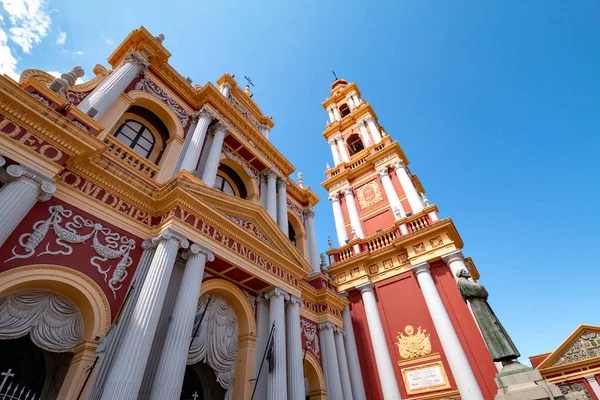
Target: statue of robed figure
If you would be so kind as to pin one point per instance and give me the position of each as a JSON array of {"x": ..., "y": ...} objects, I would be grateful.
[{"x": 498, "y": 341}]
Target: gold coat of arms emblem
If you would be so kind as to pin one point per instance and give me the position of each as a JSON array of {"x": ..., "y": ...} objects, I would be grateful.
[{"x": 413, "y": 345}]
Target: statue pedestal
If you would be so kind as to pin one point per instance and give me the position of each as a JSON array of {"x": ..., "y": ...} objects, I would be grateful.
[{"x": 518, "y": 382}]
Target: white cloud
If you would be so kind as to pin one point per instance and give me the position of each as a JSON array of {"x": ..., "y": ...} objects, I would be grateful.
[
  {"x": 62, "y": 36},
  {"x": 30, "y": 21},
  {"x": 107, "y": 40},
  {"x": 78, "y": 53},
  {"x": 8, "y": 62}
]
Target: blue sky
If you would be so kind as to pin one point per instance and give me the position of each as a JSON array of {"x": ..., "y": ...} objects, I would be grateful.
[{"x": 496, "y": 104}]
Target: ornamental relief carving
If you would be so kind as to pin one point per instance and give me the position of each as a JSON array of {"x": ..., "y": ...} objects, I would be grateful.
[
  {"x": 413, "y": 345},
  {"x": 369, "y": 194},
  {"x": 309, "y": 331},
  {"x": 147, "y": 85},
  {"x": 587, "y": 346}
]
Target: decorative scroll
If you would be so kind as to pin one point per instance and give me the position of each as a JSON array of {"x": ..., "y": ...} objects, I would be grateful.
[
  {"x": 216, "y": 342},
  {"x": 295, "y": 209},
  {"x": 413, "y": 345},
  {"x": 250, "y": 170},
  {"x": 245, "y": 112},
  {"x": 41, "y": 99},
  {"x": 79, "y": 230},
  {"x": 251, "y": 299},
  {"x": 587, "y": 346},
  {"x": 309, "y": 330},
  {"x": 251, "y": 227},
  {"x": 76, "y": 97},
  {"x": 52, "y": 320},
  {"x": 369, "y": 194},
  {"x": 155, "y": 90}
]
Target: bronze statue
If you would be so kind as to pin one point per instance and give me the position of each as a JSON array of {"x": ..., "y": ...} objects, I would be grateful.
[{"x": 497, "y": 339}]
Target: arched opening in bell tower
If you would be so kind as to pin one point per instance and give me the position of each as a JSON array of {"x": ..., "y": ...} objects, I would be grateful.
[
  {"x": 355, "y": 144},
  {"x": 344, "y": 110}
]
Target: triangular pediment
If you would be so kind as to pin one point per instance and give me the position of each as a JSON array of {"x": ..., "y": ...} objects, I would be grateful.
[
  {"x": 252, "y": 218},
  {"x": 583, "y": 344}
]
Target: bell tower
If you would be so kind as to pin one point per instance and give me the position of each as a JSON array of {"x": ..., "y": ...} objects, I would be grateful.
[{"x": 397, "y": 261}]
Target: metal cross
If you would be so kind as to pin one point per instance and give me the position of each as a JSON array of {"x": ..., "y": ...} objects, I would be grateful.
[
  {"x": 249, "y": 80},
  {"x": 6, "y": 375},
  {"x": 195, "y": 395}
]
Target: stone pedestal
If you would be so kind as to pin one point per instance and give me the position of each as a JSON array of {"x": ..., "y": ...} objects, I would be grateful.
[{"x": 518, "y": 382}]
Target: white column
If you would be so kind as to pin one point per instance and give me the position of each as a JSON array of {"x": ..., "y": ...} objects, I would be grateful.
[
  {"x": 385, "y": 368},
  {"x": 263, "y": 191},
  {"x": 350, "y": 102},
  {"x": 125, "y": 377},
  {"x": 342, "y": 148},
  {"x": 112, "y": 341},
  {"x": 168, "y": 381},
  {"x": 353, "y": 212},
  {"x": 272, "y": 194},
  {"x": 190, "y": 158},
  {"x": 263, "y": 328},
  {"x": 295, "y": 367},
  {"x": 330, "y": 362},
  {"x": 374, "y": 129},
  {"x": 186, "y": 144},
  {"x": 338, "y": 217},
  {"x": 343, "y": 364},
  {"x": 204, "y": 154},
  {"x": 311, "y": 236},
  {"x": 282, "y": 216},
  {"x": 24, "y": 187},
  {"x": 105, "y": 94},
  {"x": 226, "y": 90},
  {"x": 209, "y": 175},
  {"x": 364, "y": 133},
  {"x": 277, "y": 380},
  {"x": 594, "y": 384},
  {"x": 357, "y": 100},
  {"x": 336, "y": 112},
  {"x": 335, "y": 152},
  {"x": 356, "y": 379},
  {"x": 457, "y": 359},
  {"x": 331, "y": 115},
  {"x": 413, "y": 197},
  {"x": 391, "y": 194},
  {"x": 455, "y": 261}
]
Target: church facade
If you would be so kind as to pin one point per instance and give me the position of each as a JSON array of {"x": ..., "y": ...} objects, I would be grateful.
[{"x": 153, "y": 246}]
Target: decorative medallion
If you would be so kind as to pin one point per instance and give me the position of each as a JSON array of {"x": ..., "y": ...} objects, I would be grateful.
[
  {"x": 341, "y": 277},
  {"x": 413, "y": 345},
  {"x": 354, "y": 272},
  {"x": 419, "y": 248},
  {"x": 369, "y": 194},
  {"x": 403, "y": 257},
  {"x": 436, "y": 241},
  {"x": 373, "y": 269},
  {"x": 388, "y": 264}
]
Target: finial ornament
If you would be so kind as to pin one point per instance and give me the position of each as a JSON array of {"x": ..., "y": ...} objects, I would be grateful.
[
  {"x": 425, "y": 199},
  {"x": 329, "y": 241},
  {"x": 300, "y": 180},
  {"x": 64, "y": 83},
  {"x": 353, "y": 233},
  {"x": 327, "y": 166},
  {"x": 397, "y": 213},
  {"x": 159, "y": 38}
]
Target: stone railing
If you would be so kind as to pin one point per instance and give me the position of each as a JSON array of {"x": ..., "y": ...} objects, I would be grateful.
[
  {"x": 417, "y": 222},
  {"x": 126, "y": 155},
  {"x": 380, "y": 240}
]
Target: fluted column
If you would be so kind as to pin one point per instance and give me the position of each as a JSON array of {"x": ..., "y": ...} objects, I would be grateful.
[
  {"x": 343, "y": 364},
  {"x": 209, "y": 175},
  {"x": 331, "y": 115},
  {"x": 168, "y": 381},
  {"x": 335, "y": 152},
  {"x": 190, "y": 158},
  {"x": 364, "y": 133},
  {"x": 295, "y": 368},
  {"x": 112, "y": 341},
  {"x": 263, "y": 191},
  {"x": 226, "y": 90},
  {"x": 353, "y": 212},
  {"x": 391, "y": 194},
  {"x": 342, "y": 149},
  {"x": 277, "y": 380},
  {"x": 455, "y": 354},
  {"x": 204, "y": 154},
  {"x": 330, "y": 363},
  {"x": 336, "y": 112},
  {"x": 125, "y": 377},
  {"x": 413, "y": 197},
  {"x": 313, "y": 250},
  {"x": 350, "y": 102},
  {"x": 272, "y": 194},
  {"x": 338, "y": 217},
  {"x": 105, "y": 94},
  {"x": 374, "y": 130},
  {"x": 356, "y": 379},
  {"x": 24, "y": 187},
  {"x": 385, "y": 368},
  {"x": 263, "y": 328},
  {"x": 282, "y": 216},
  {"x": 186, "y": 144}
]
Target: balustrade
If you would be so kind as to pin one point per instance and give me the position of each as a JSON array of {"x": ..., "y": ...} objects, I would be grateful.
[{"x": 130, "y": 157}]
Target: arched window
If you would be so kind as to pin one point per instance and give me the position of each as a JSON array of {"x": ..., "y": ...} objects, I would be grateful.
[
  {"x": 136, "y": 136},
  {"x": 224, "y": 186},
  {"x": 344, "y": 110},
  {"x": 355, "y": 144}
]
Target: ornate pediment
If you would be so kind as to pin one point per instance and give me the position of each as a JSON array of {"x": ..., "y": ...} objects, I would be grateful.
[{"x": 581, "y": 345}]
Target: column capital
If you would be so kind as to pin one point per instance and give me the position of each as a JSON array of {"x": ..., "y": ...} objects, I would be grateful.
[
  {"x": 343, "y": 293},
  {"x": 277, "y": 292},
  {"x": 308, "y": 212},
  {"x": 46, "y": 185},
  {"x": 135, "y": 58},
  {"x": 454, "y": 255},
  {"x": 261, "y": 299},
  {"x": 331, "y": 142},
  {"x": 591, "y": 378},
  {"x": 338, "y": 138},
  {"x": 282, "y": 183},
  {"x": 272, "y": 174},
  {"x": 420, "y": 268},
  {"x": 205, "y": 113},
  {"x": 2, "y": 160},
  {"x": 218, "y": 126},
  {"x": 396, "y": 165},
  {"x": 340, "y": 330},
  {"x": 365, "y": 287},
  {"x": 383, "y": 172},
  {"x": 334, "y": 197},
  {"x": 348, "y": 191},
  {"x": 296, "y": 300},
  {"x": 147, "y": 244},
  {"x": 196, "y": 249},
  {"x": 168, "y": 234},
  {"x": 326, "y": 325}
]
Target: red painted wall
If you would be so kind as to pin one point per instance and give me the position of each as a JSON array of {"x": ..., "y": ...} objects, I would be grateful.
[
  {"x": 81, "y": 254},
  {"x": 383, "y": 220}
]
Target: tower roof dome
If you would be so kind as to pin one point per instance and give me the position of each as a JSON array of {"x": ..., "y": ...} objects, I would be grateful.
[{"x": 338, "y": 83}]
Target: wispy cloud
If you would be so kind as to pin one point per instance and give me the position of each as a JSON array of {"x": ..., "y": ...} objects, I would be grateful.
[
  {"x": 8, "y": 62},
  {"x": 29, "y": 21},
  {"x": 108, "y": 41},
  {"x": 78, "y": 53},
  {"x": 62, "y": 37}
]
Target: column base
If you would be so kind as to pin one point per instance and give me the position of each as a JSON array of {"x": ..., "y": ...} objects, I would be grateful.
[{"x": 518, "y": 382}]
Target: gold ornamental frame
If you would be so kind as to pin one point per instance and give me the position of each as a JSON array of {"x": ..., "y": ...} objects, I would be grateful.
[{"x": 361, "y": 194}]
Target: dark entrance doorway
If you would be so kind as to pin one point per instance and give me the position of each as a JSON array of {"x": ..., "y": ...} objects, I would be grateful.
[{"x": 200, "y": 383}]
